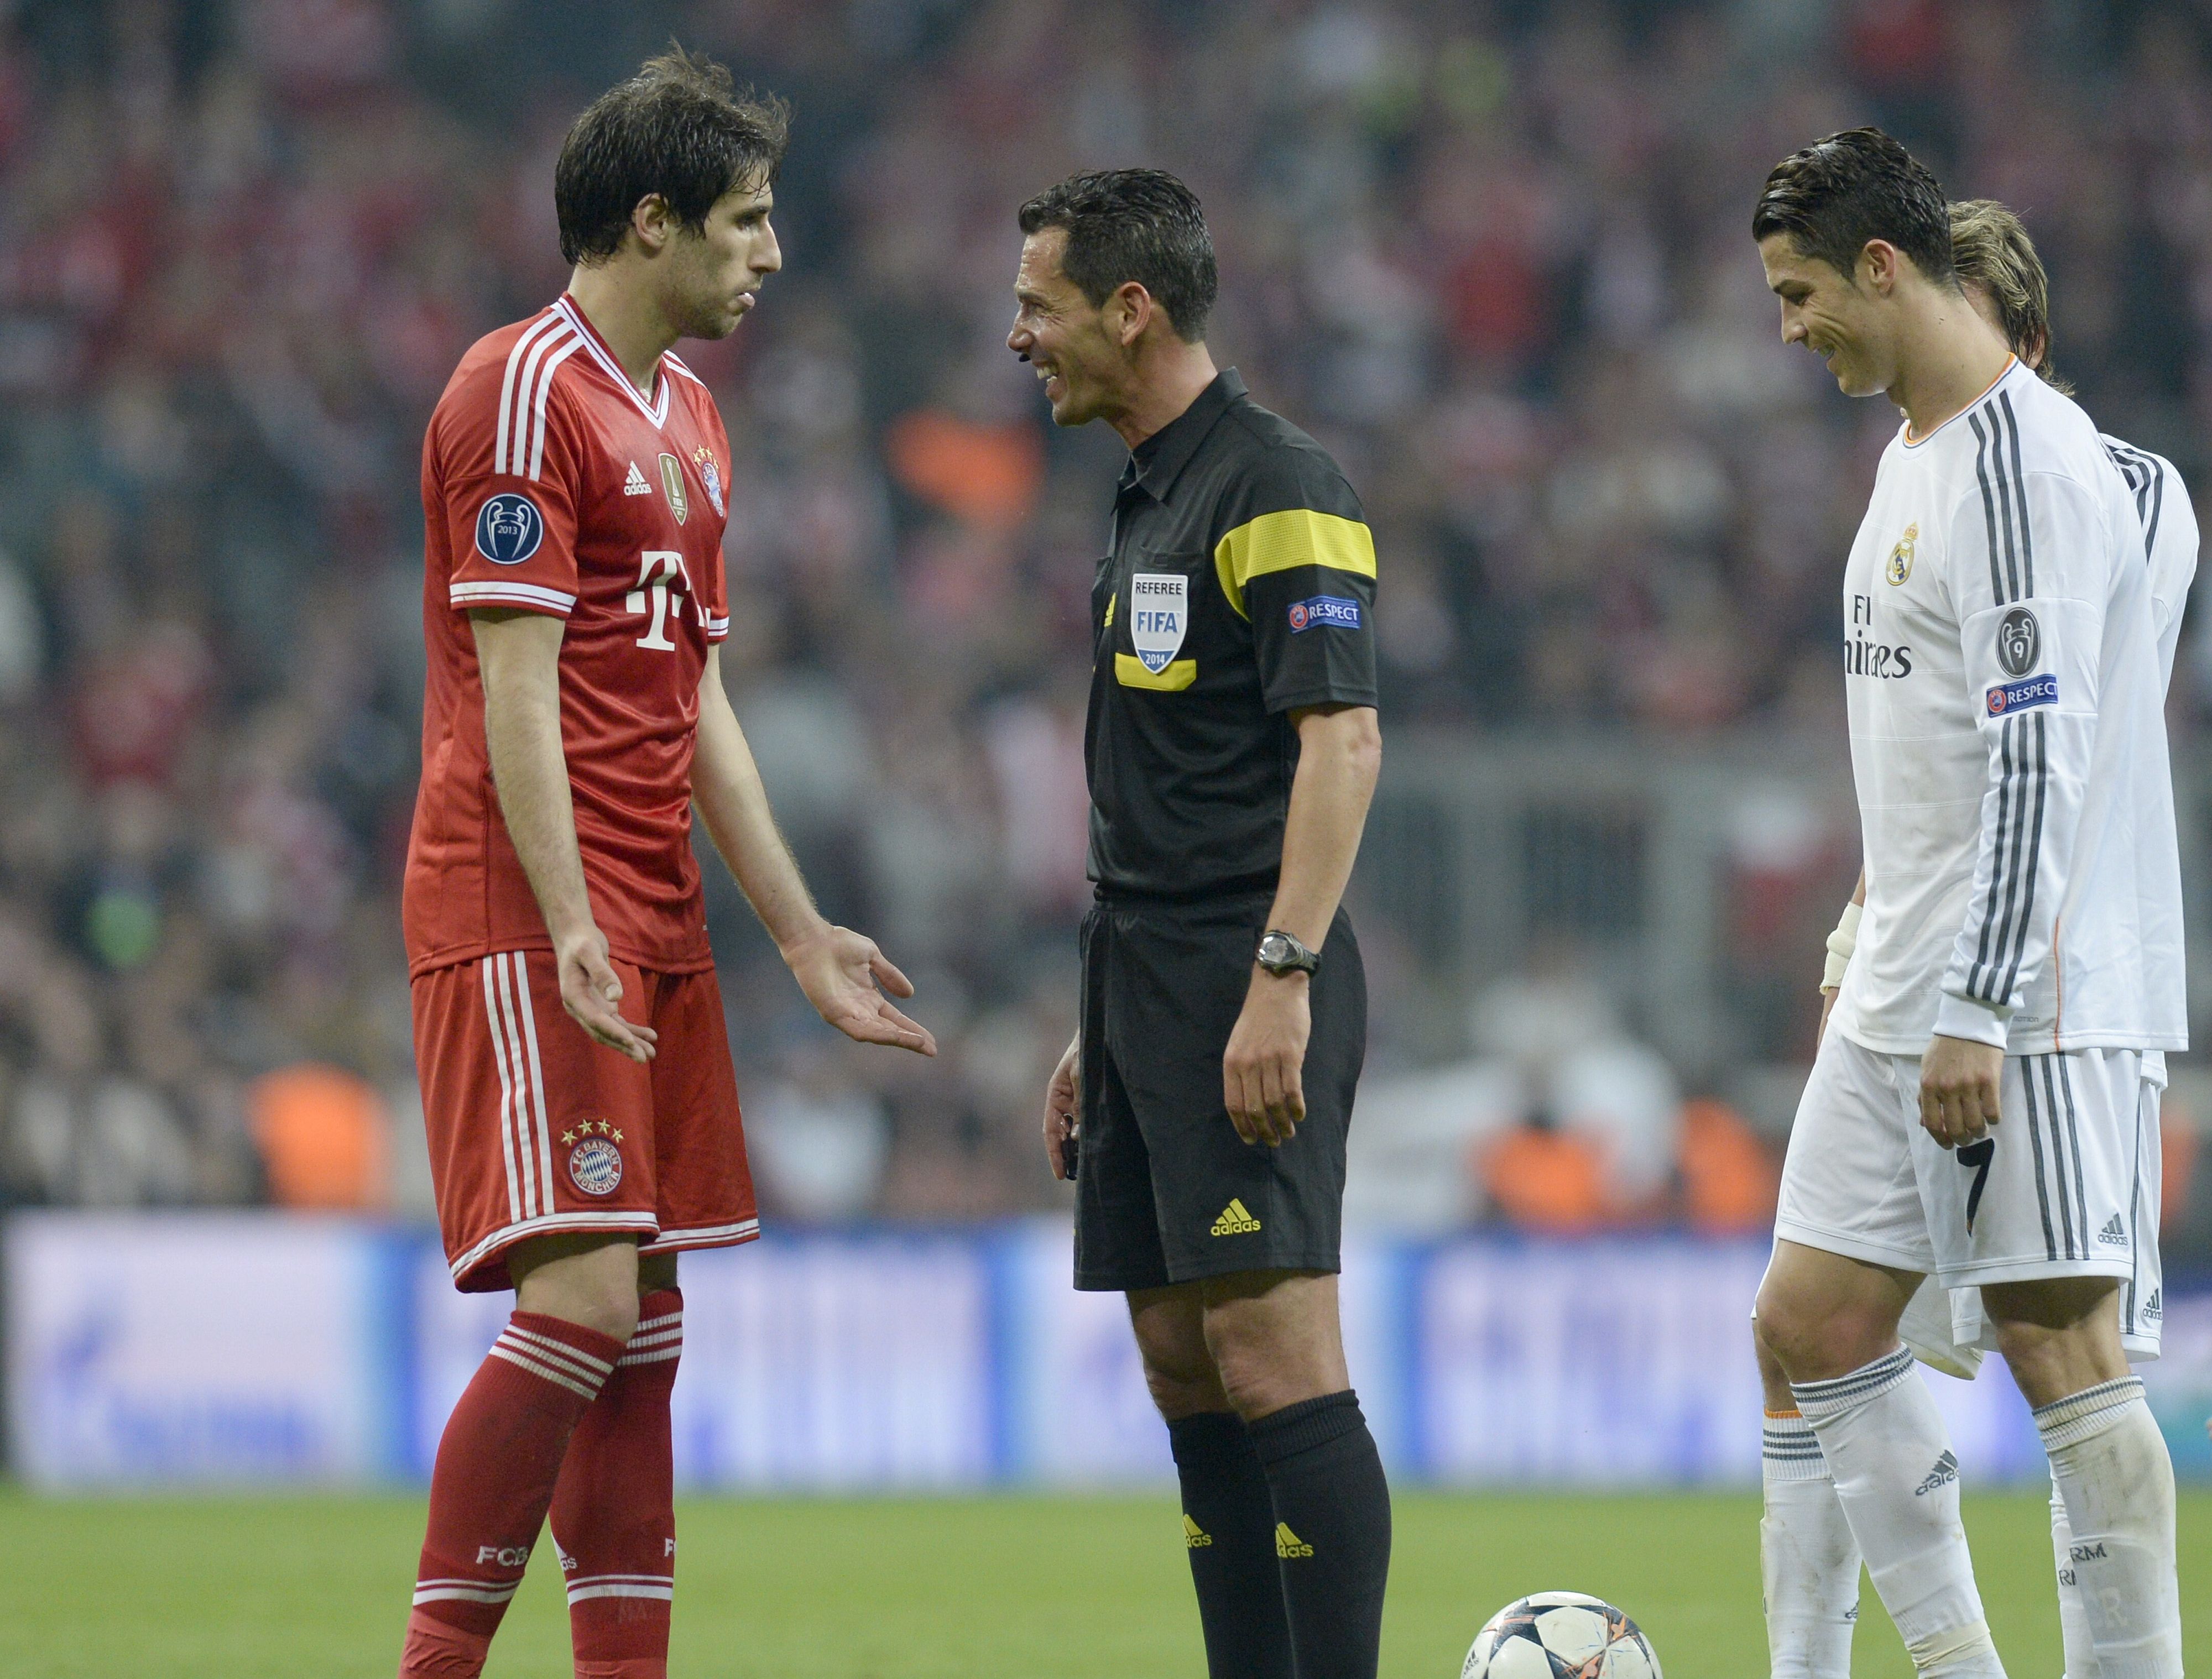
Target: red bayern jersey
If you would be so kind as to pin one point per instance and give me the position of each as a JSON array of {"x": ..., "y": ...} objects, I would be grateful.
[{"x": 550, "y": 483}]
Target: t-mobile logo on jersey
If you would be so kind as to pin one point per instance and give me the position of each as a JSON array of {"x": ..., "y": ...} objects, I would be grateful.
[
  {"x": 662, "y": 583},
  {"x": 1864, "y": 657}
]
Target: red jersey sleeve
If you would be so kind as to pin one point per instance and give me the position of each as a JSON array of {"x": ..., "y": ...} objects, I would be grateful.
[{"x": 509, "y": 482}]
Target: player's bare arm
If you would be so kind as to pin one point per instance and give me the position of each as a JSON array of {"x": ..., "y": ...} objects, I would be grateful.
[
  {"x": 518, "y": 660},
  {"x": 837, "y": 968},
  {"x": 1340, "y": 756}
]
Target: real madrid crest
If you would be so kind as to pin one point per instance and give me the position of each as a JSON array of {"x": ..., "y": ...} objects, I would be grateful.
[
  {"x": 1901, "y": 557},
  {"x": 672, "y": 480}
]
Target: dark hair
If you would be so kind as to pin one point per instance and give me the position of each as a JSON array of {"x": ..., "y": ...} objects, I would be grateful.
[
  {"x": 680, "y": 128},
  {"x": 1860, "y": 184},
  {"x": 1990, "y": 248},
  {"x": 1133, "y": 224}
]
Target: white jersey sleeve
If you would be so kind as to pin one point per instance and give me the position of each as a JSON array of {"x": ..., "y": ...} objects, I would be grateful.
[
  {"x": 2169, "y": 525},
  {"x": 2028, "y": 570}
]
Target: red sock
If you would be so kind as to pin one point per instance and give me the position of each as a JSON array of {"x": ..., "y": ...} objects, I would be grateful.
[
  {"x": 614, "y": 1513},
  {"x": 496, "y": 1466}
]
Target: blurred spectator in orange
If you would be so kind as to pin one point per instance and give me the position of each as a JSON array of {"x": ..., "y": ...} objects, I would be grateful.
[
  {"x": 1546, "y": 1180},
  {"x": 2177, "y": 1149},
  {"x": 323, "y": 1138},
  {"x": 1728, "y": 1179}
]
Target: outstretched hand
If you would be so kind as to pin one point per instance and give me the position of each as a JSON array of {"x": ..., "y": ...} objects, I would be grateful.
[
  {"x": 839, "y": 970},
  {"x": 590, "y": 989}
]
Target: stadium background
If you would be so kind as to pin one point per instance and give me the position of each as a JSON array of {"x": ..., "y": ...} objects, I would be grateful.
[{"x": 1493, "y": 255}]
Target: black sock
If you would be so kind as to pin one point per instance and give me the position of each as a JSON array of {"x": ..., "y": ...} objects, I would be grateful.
[
  {"x": 1229, "y": 1527},
  {"x": 1332, "y": 1532}
]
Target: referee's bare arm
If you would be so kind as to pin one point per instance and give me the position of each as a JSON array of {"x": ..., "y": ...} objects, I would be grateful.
[
  {"x": 837, "y": 968},
  {"x": 519, "y": 663},
  {"x": 1340, "y": 755}
]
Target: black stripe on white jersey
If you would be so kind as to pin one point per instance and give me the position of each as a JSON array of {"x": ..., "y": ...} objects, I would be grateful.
[
  {"x": 2035, "y": 1139},
  {"x": 2023, "y": 788},
  {"x": 2146, "y": 477},
  {"x": 2074, "y": 1144},
  {"x": 2020, "y": 494},
  {"x": 2057, "y": 1158},
  {"x": 1988, "y": 501}
]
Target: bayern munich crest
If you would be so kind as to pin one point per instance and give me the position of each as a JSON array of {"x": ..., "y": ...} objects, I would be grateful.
[{"x": 595, "y": 1166}]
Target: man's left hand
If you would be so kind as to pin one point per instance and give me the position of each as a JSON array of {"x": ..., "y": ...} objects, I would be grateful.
[
  {"x": 1262, "y": 1079},
  {"x": 1958, "y": 1083},
  {"x": 839, "y": 970}
]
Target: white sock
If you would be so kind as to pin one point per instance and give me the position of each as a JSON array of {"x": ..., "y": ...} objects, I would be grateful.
[
  {"x": 2110, "y": 1463},
  {"x": 2073, "y": 1619},
  {"x": 1807, "y": 1557},
  {"x": 1898, "y": 1479}
]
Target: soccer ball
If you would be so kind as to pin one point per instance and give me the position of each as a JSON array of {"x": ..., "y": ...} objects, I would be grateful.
[{"x": 1560, "y": 1635}]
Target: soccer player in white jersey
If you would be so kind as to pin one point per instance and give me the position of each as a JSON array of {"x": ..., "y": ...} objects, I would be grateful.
[
  {"x": 1973, "y": 1110},
  {"x": 1810, "y": 1563}
]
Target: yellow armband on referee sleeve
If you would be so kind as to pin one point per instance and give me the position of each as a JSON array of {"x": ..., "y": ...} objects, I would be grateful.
[{"x": 1841, "y": 943}]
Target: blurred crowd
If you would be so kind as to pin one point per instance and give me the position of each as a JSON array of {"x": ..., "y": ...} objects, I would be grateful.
[{"x": 1494, "y": 254}]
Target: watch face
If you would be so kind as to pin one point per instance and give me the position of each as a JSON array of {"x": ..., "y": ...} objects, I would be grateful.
[{"x": 1274, "y": 948}]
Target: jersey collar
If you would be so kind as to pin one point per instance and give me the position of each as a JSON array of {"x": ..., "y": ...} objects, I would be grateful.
[
  {"x": 1913, "y": 442},
  {"x": 656, "y": 409},
  {"x": 1158, "y": 461}
]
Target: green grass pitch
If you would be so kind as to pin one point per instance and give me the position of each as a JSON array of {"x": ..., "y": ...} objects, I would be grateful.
[{"x": 1024, "y": 1587}]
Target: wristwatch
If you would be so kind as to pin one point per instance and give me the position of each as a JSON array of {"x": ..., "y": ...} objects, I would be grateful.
[{"x": 1279, "y": 953}]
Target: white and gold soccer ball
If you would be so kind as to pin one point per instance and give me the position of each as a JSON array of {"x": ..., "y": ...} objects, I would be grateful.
[{"x": 1560, "y": 1635}]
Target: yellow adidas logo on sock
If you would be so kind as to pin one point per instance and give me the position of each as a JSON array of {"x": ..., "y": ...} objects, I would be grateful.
[
  {"x": 1234, "y": 1221},
  {"x": 1288, "y": 1544},
  {"x": 1193, "y": 1535}
]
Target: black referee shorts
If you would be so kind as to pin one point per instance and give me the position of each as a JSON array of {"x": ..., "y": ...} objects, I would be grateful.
[{"x": 1166, "y": 1191}]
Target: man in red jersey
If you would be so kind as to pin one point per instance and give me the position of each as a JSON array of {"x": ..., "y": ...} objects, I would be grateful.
[{"x": 576, "y": 1081}]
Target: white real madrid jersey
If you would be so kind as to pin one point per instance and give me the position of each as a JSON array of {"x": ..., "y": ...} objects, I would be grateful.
[{"x": 2009, "y": 742}]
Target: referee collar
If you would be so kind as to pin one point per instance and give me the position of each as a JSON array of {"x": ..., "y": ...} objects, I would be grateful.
[{"x": 1156, "y": 463}]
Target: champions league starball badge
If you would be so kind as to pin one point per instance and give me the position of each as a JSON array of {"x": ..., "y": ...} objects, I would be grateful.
[{"x": 509, "y": 528}]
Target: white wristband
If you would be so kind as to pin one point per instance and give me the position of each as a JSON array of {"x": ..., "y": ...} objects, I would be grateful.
[{"x": 1841, "y": 943}]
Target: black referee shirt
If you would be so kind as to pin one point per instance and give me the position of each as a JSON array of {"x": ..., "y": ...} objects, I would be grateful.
[{"x": 1240, "y": 586}]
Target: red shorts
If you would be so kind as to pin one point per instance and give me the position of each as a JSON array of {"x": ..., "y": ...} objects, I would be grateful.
[{"x": 534, "y": 1128}]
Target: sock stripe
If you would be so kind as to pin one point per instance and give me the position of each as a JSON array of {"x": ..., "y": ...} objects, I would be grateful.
[
  {"x": 2065, "y": 1422},
  {"x": 666, "y": 1356},
  {"x": 546, "y": 1370},
  {"x": 466, "y": 1594},
  {"x": 561, "y": 1347},
  {"x": 666, "y": 1318},
  {"x": 579, "y": 1594},
  {"x": 1869, "y": 1382}
]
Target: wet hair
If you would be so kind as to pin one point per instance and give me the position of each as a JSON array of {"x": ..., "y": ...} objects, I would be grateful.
[
  {"x": 1133, "y": 224},
  {"x": 681, "y": 129},
  {"x": 1837, "y": 194},
  {"x": 1990, "y": 248}
]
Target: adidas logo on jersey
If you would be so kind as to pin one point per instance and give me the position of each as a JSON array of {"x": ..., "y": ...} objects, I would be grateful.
[
  {"x": 1234, "y": 1221},
  {"x": 1193, "y": 1535},
  {"x": 2152, "y": 1309},
  {"x": 2114, "y": 1232},
  {"x": 1945, "y": 1472},
  {"x": 635, "y": 484},
  {"x": 1288, "y": 1544}
]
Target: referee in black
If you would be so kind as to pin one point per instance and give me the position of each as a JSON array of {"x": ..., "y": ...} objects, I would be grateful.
[{"x": 1232, "y": 748}]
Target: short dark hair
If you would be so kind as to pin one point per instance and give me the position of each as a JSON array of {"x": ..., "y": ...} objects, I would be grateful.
[
  {"x": 1837, "y": 193},
  {"x": 1133, "y": 224},
  {"x": 680, "y": 128}
]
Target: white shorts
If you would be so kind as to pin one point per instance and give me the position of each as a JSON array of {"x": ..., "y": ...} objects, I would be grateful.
[{"x": 2060, "y": 1187}]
